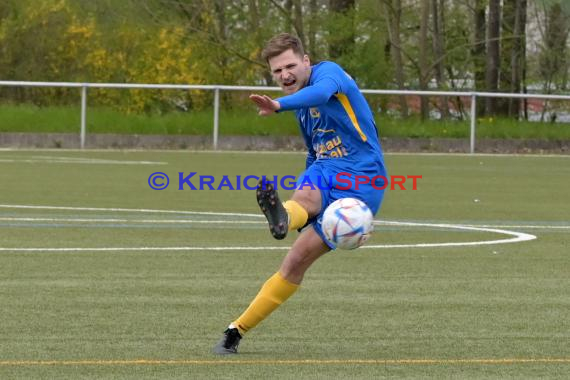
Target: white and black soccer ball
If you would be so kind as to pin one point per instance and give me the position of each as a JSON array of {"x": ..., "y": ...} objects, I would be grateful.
[{"x": 347, "y": 223}]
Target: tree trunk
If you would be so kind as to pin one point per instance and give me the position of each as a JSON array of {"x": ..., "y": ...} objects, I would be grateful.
[
  {"x": 424, "y": 68},
  {"x": 298, "y": 21},
  {"x": 507, "y": 46},
  {"x": 221, "y": 37},
  {"x": 393, "y": 14},
  {"x": 479, "y": 47},
  {"x": 255, "y": 31},
  {"x": 493, "y": 54},
  {"x": 438, "y": 50},
  {"x": 517, "y": 56},
  {"x": 288, "y": 7},
  {"x": 312, "y": 32},
  {"x": 457, "y": 99}
]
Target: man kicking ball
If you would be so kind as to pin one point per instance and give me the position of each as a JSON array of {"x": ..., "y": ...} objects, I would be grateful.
[{"x": 341, "y": 137}]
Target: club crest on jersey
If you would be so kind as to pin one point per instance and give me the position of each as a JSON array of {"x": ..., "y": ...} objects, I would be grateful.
[{"x": 314, "y": 111}]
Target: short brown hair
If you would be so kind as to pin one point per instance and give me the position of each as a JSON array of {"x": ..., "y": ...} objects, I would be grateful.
[{"x": 281, "y": 43}]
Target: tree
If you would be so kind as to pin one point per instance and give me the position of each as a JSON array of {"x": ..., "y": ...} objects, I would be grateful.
[
  {"x": 312, "y": 32},
  {"x": 437, "y": 7},
  {"x": 512, "y": 52},
  {"x": 298, "y": 21},
  {"x": 341, "y": 39},
  {"x": 423, "y": 57},
  {"x": 493, "y": 54},
  {"x": 553, "y": 57},
  {"x": 479, "y": 46},
  {"x": 393, "y": 14},
  {"x": 255, "y": 23},
  {"x": 518, "y": 55},
  {"x": 380, "y": 43}
]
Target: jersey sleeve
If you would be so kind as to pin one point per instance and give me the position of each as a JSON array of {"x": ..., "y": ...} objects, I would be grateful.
[{"x": 328, "y": 81}]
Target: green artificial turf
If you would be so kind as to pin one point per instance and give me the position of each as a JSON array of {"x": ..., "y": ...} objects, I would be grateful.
[{"x": 144, "y": 310}]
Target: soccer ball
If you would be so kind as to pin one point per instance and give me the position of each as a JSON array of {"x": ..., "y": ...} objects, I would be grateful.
[{"x": 347, "y": 223}]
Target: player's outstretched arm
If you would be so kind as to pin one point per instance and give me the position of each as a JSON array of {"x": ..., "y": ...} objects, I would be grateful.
[
  {"x": 265, "y": 104},
  {"x": 311, "y": 96}
]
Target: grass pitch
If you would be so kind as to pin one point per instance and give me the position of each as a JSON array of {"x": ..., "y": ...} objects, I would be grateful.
[{"x": 103, "y": 277}]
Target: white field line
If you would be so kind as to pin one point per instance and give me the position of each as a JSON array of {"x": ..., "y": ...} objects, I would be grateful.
[
  {"x": 129, "y": 210},
  {"x": 106, "y": 220},
  {"x": 70, "y": 158},
  {"x": 397, "y": 223},
  {"x": 150, "y": 150},
  {"x": 76, "y": 160},
  {"x": 103, "y": 209},
  {"x": 518, "y": 237},
  {"x": 502, "y": 155},
  {"x": 99, "y": 160},
  {"x": 546, "y": 227},
  {"x": 188, "y": 221},
  {"x": 130, "y": 249},
  {"x": 515, "y": 236}
]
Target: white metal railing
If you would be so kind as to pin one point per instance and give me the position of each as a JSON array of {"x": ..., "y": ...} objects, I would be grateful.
[{"x": 217, "y": 88}]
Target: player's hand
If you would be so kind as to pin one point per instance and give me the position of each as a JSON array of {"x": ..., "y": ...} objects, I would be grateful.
[{"x": 265, "y": 104}]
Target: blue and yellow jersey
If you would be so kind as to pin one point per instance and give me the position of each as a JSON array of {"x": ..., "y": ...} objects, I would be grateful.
[{"x": 335, "y": 118}]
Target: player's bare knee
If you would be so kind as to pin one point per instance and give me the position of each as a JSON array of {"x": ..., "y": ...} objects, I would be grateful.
[
  {"x": 295, "y": 263},
  {"x": 310, "y": 200},
  {"x": 291, "y": 274}
]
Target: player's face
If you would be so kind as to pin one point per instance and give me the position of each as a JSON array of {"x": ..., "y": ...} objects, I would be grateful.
[{"x": 290, "y": 71}]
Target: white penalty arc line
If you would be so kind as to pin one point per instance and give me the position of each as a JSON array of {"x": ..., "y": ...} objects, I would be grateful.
[
  {"x": 212, "y": 213},
  {"x": 515, "y": 236}
]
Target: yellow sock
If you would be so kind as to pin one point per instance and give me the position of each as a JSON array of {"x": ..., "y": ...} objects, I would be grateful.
[
  {"x": 273, "y": 293},
  {"x": 297, "y": 214}
]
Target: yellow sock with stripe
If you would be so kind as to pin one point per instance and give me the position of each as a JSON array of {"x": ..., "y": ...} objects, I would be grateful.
[
  {"x": 273, "y": 293},
  {"x": 297, "y": 214}
]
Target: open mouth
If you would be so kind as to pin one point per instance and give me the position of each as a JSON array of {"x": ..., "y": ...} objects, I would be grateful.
[{"x": 289, "y": 83}]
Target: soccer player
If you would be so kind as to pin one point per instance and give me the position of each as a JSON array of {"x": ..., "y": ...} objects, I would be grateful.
[{"x": 341, "y": 137}]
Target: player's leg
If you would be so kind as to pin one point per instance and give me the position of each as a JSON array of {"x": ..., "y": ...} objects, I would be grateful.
[
  {"x": 306, "y": 202},
  {"x": 276, "y": 290},
  {"x": 305, "y": 251}
]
